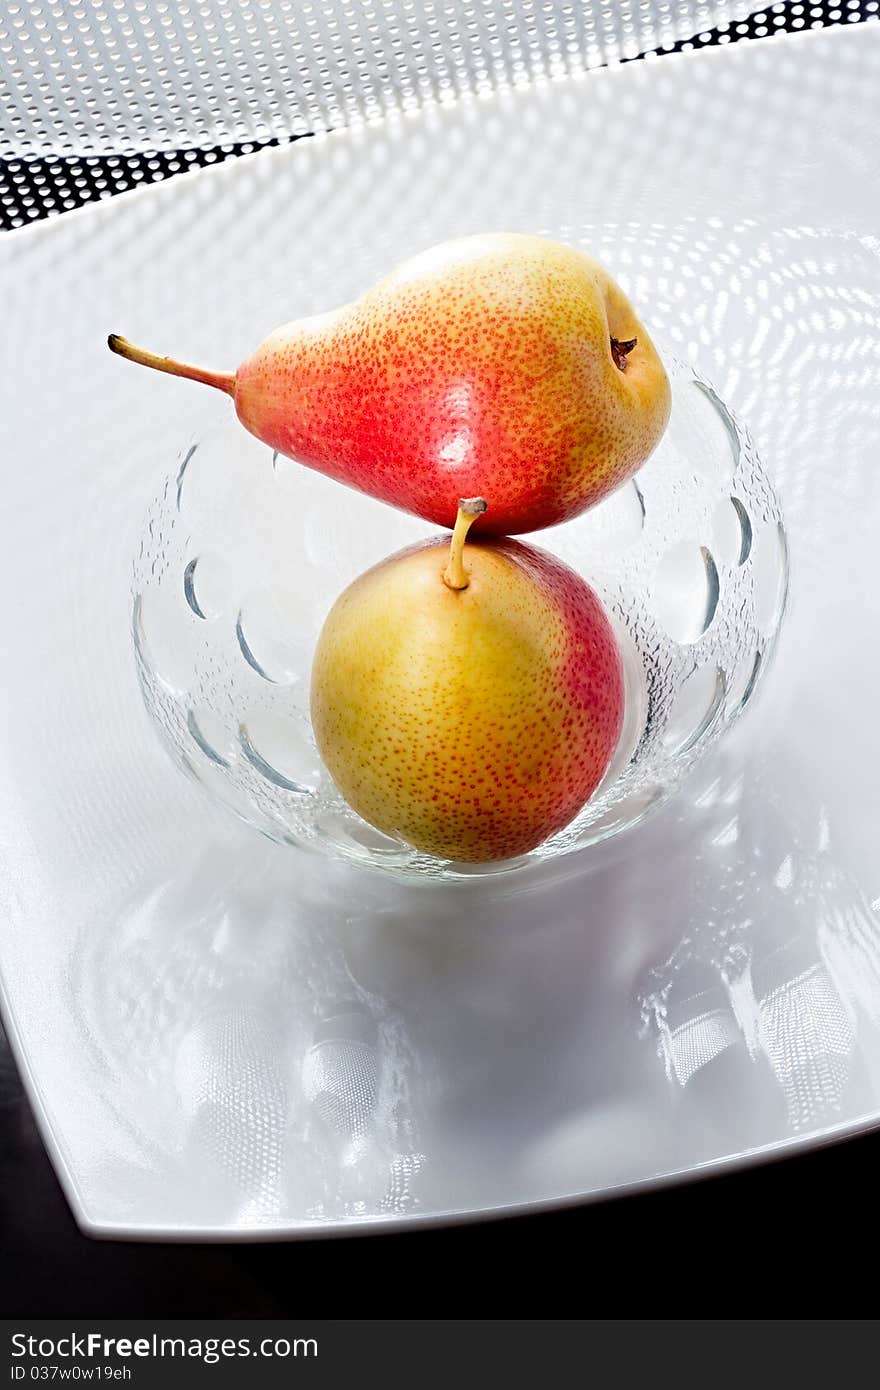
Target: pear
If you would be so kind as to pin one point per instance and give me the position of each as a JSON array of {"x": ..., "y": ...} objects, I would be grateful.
[
  {"x": 467, "y": 699},
  {"x": 504, "y": 364}
]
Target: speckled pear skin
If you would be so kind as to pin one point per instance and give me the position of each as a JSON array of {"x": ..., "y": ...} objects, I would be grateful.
[
  {"x": 471, "y": 723},
  {"x": 483, "y": 366}
]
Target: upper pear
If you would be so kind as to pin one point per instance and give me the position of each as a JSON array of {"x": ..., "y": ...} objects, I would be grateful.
[{"x": 503, "y": 364}]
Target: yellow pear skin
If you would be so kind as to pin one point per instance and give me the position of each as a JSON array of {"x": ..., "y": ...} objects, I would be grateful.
[{"x": 468, "y": 700}]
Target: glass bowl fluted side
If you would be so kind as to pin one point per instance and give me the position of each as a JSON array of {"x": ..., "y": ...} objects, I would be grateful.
[{"x": 244, "y": 552}]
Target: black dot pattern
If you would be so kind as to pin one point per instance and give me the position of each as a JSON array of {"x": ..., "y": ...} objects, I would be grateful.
[{"x": 32, "y": 188}]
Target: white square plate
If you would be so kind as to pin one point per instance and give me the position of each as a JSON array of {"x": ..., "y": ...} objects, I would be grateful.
[{"x": 226, "y": 1038}]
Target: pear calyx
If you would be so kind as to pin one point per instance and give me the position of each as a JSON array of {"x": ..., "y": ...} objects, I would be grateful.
[
  {"x": 619, "y": 351},
  {"x": 223, "y": 381},
  {"x": 469, "y": 508}
]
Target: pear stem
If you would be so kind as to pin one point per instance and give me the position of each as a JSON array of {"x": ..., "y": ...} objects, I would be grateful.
[
  {"x": 469, "y": 508},
  {"x": 223, "y": 381}
]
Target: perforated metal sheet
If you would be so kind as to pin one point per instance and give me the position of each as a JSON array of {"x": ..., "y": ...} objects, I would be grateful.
[
  {"x": 127, "y": 75},
  {"x": 98, "y": 96}
]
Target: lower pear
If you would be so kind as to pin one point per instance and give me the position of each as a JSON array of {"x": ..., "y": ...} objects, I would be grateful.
[{"x": 467, "y": 698}]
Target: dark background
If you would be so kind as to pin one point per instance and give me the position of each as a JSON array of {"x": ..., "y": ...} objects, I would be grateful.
[{"x": 798, "y": 1235}]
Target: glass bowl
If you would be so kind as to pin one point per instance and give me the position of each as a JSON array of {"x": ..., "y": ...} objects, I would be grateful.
[{"x": 244, "y": 552}]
